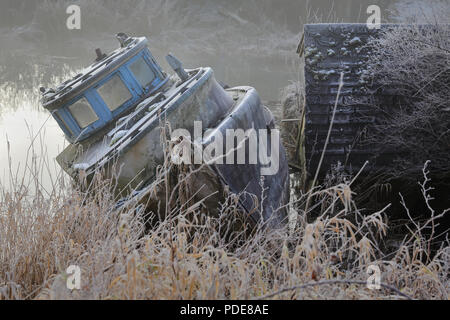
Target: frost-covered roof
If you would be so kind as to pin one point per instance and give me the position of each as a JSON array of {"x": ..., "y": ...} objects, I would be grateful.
[{"x": 54, "y": 98}]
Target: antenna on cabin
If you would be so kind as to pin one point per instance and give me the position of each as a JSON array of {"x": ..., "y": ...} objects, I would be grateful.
[{"x": 100, "y": 54}]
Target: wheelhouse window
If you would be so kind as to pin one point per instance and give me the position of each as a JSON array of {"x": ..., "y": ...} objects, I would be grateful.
[
  {"x": 83, "y": 113},
  {"x": 114, "y": 93},
  {"x": 142, "y": 72}
]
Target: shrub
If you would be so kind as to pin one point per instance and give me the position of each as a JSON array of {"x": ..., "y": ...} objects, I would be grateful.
[{"x": 412, "y": 62}]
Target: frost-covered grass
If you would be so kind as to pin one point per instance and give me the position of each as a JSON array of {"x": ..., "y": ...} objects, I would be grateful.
[{"x": 190, "y": 254}]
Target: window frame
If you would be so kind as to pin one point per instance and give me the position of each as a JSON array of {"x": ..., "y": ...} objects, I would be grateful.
[
  {"x": 149, "y": 65},
  {"x": 77, "y": 120},
  {"x": 99, "y": 106},
  {"x": 150, "y": 61},
  {"x": 130, "y": 83},
  {"x": 103, "y": 83}
]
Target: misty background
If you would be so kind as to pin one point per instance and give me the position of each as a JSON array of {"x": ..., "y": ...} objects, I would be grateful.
[{"x": 251, "y": 42}]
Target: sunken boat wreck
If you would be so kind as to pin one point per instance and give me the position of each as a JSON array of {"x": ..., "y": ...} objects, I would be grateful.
[{"x": 113, "y": 114}]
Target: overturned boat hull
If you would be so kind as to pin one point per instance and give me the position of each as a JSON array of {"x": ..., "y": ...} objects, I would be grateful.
[
  {"x": 131, "y": 150},
  {"x": 132, "y": 161}
]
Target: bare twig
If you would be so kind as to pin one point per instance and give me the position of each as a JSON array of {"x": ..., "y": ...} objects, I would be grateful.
[{"x": 329, "y": 282}]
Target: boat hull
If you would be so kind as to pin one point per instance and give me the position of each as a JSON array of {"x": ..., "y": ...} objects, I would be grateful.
[
  {"x": 262, "y": 194},
  {"x": 135, "y": 159},
  {"x": 206, "y": 102},
  {"x": 263, "y": 185}
]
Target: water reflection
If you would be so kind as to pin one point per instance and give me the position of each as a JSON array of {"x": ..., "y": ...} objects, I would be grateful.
[{"x": 29, "y": 141}]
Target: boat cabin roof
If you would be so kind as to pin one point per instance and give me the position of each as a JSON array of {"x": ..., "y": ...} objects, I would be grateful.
[
  {"x": 53, "y": 98},
  {"x": 106, "y": 90}
]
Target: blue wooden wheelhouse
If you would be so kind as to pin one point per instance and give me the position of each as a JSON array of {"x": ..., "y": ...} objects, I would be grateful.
[{"x": 107, "y": 90}]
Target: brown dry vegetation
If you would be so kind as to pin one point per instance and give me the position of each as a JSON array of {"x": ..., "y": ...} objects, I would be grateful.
[{"x": 192, "y": 255}]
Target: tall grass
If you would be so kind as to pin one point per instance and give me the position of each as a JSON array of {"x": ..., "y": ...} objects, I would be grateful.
[
  {"x": 177, "y": 243},
  {"x": 190, "y": 253}
]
